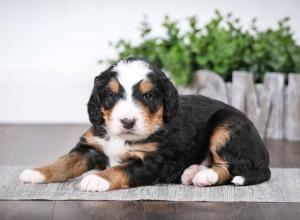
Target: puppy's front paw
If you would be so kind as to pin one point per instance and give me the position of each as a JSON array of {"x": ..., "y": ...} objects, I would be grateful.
[
  {"x": 205, "y": 177},
  {"x": 94, "y": 183},
  {"x": 32, "y": 176}
]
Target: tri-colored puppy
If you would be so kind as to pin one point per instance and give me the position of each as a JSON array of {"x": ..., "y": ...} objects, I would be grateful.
[{"x": 144, "y": 133}]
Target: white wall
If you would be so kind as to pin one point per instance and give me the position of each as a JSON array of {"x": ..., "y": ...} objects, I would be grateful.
[{"x": 49, "y": 49}]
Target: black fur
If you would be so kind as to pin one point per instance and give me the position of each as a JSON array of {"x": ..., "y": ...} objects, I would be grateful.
[
  {"x": 95, "y": 159},
  {"x": 168, "y": 93},
  {"x": 100, "y": 98},
  {"x": 189, "y": 122},
  {"x": 186, "y": 142}
]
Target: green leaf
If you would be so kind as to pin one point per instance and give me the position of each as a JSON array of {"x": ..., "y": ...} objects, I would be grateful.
[{"x": 221, "y": 45}]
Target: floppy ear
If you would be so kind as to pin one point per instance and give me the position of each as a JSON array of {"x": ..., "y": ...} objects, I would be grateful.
[
  {"x": 94, "y": 111},
  {"x": 170, "y": 100}
]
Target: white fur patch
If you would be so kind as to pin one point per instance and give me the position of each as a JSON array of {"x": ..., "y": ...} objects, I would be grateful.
[
  {"x": 238, "y": 180},
  {"x": 206, "y": 177},
  {"x": 32, "y": 176},
  {"x": 94, "y": 183},
  {"x": 130, "y": 73},
  {"x": 114, "y": 148}
]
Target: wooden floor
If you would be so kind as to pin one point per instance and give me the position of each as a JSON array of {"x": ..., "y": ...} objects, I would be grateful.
[{"x": 37, "y": 144}]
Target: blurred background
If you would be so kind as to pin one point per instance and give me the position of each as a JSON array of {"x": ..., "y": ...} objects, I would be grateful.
[{"x": 50, "y": 50}]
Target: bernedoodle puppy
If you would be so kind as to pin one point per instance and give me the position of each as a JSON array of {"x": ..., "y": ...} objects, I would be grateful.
[{"x": 144, "y": 133}]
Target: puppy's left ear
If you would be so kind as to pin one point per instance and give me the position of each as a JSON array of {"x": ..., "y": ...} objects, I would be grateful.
[
  {"x": 170, "y": 100},
  {"x": 94, "y": 110}
]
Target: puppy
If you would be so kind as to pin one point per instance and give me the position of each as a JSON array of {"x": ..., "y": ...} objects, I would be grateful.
[{"x": 144, "y": 133}]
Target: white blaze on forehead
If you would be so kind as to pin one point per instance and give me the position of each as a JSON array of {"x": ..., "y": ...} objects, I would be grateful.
[{"x": 130, "y": 73}]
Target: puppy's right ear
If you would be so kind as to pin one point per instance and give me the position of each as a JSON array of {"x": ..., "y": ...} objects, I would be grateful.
[
  {"x": 94, "y": 109},
  {"x": 170, "y": 99}
]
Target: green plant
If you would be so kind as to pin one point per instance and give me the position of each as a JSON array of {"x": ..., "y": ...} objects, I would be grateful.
[{"x": 222, "y": 46}]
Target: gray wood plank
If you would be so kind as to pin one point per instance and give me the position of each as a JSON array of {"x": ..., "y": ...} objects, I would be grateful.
[
  {"x": 292, "y": 109},
  {"x": 210, "y": 84},
  {"x": 274, "y": 84},
  {"x": 253, "y": 100}
]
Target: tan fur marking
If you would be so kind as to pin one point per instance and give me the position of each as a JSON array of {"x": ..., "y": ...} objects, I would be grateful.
[
  {"x": 218, "y": 140},
  {"x": 158, "y": 117},
  {"x": 64, "y": 168},
  {"x": 139, "y": 151},
  {"x": 220, "y": 136},
  {"x": 89, "y": 134},
  {"x": 106, "y": 114},
  {"x": 223, "y": 172},
  {"x": 145, "y": 86},
  {"x": 145, "y": 147},
  {"x": 132, "y": 155},
  {"x": 114, "y": 85},
  {"x": 89, "y": 137},
  {"x": 116, "y": 176},
  {"x": 152, "y": 119}
]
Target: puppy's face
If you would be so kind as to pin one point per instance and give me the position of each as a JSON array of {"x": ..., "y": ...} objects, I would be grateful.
[{"x": 133, "y": 99}]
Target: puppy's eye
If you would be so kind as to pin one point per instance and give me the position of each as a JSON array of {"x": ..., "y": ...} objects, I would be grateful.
[
  {"x": 148, "y": 97},
  {"x": 113, "y": 96}
]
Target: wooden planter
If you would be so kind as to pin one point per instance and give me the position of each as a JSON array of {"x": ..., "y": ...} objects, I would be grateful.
[{"x": 273, "y": 107}]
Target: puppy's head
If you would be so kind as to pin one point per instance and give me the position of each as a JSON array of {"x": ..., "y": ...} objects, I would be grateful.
[{"x": 132, "y": 99}]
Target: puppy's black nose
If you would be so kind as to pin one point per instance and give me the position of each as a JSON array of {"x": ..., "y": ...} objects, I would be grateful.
[{"x": 128, "y": 123}]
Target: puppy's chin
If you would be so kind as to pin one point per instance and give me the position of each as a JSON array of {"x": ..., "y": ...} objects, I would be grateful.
[{"x": 129, "y": 135}]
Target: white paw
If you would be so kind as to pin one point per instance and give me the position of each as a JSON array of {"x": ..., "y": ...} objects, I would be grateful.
[
  {"x": 32, "y": 176},
  {"x": 94, "y": 183},
  {"x": 190, "y": 172},
  {"x": 238, "y": 180},
  {"x": 205, "y": 177}
]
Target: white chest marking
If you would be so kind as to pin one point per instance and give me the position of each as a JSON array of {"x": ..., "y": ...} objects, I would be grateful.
[{"x": 114, "y": 149}]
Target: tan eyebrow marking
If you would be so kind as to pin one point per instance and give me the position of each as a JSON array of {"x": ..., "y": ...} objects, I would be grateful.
[
  {"x": 145, "y": 86},
  {"x": 114, "y": 85}
]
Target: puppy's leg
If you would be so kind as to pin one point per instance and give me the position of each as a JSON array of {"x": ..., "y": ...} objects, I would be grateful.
[
  {"x": 85, "y": 156},
  {"x": 64, "y": 168},
  {"x": 237, "y": 151},
  {"x": 137, "y": 172},
  {"x": 219, "y": 171},
  {"x": 108, "y": 179}
]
